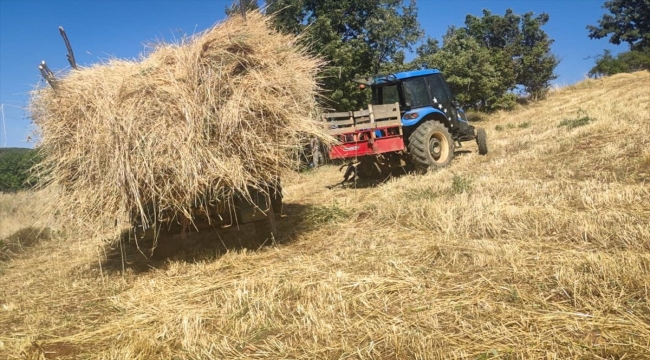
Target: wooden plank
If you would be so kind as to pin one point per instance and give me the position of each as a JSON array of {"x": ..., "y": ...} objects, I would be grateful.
[
  {"x": 388, "y": 123},
  {"x": 375, "y": 116},
  {"x": 372, "y": 122},
  {"x": 387, "y": 115},
  {"x": 365, "y": 127},
  {"x": 337, "y": 115},
  {"x": 340, "y": 122},
  {"x": 344, "y": 130},
  {"x": 361, "y": 113},
  {"x": 387, "y": 107},
  {"x": 386, "y": 111},
  {"x": 363, "y": 121}
]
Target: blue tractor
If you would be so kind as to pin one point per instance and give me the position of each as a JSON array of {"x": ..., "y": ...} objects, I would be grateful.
[{"x": 413, "y": 120}]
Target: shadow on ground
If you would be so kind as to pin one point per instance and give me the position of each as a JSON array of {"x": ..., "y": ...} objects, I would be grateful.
[
  {"x": 127, "y": 255},
  {"x": 374, "y": 181}
]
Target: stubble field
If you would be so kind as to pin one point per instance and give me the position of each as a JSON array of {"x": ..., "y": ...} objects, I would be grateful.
[{"x": 539, "y": 250}]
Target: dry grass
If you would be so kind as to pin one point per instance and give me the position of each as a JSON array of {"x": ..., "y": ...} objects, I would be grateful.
[
  {"x": 21, "y": 209},
  {"x": 540, "y": 250},
  {"x": 184, "y": 127},
  {"x": 15, "y": 208}
]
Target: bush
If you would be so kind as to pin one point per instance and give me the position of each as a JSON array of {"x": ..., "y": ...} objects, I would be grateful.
[
  {"x": 460, "y": 184},
  {"x": 475, "y": 116},
  {"x": 581, "y": 119},
  {"x": 507, "y": 101},
  {"x": 15, "y": 165},
  {"x": 326, "y": 214},
  {"x": 574, "y": 123}
]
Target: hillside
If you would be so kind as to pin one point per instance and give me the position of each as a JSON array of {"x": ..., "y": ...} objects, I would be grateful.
[
  {"x": 539, "y": 250},
  {"x": 13, "y": 150}
]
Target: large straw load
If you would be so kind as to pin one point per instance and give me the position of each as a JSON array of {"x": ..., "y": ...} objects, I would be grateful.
[{"x": 189, "y": 122}]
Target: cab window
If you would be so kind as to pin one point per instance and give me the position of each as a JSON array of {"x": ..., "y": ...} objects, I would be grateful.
[
  {"x": 439, "y": 88},
  {"x": 386, "y": 94},
  {"x": 416, "y": 93}
]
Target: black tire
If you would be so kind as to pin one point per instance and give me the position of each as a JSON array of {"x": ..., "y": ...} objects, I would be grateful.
[
  {"x": 367, "y": 169},
  {"x": 431, "y": 145},
  {"x": 266, "y": 229},
  {"x": 481, "y": 141}
]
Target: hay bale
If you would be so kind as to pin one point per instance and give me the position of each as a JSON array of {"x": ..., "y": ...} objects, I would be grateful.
[{"x": 186, "y": 124}]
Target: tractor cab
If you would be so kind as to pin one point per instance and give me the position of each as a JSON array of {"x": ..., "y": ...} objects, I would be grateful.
[{"x": 420, "y": 94}]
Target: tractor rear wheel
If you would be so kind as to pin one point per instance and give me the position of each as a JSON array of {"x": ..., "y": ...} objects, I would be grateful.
[
  {"x": 481, "y": 141},
  {"x": 431, "y": 145}
]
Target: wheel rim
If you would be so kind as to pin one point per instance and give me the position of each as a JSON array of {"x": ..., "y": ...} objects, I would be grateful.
[{"x": 438, "y": 147}]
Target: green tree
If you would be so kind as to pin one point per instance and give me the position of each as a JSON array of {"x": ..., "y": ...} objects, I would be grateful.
[
  {"x": 520, "y": 49},
  {"x": 501, "y": 36},
  {"x": 235, "y": 7},
  {"x": 628, "y": 61},
  {"x": 492, "y": 55},
  {"x": 628, "y": 21},
  {"x": 468, "y": 69},
  {"x": 535, "y": 62},
  {"x": 357, "y": 37}
]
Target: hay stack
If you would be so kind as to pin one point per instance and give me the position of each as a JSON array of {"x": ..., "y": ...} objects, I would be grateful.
[{"x": 188, "y": 123}]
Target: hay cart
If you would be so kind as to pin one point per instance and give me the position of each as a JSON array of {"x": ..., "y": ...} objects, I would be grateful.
[
  {"x": 259, "y": 208},
  {"x": 196, "y": 172},
  {"x": 413, "y": 121}
]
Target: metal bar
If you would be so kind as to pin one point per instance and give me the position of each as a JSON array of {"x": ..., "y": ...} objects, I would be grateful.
[
  {"x": 47, "y": 74},
  {"x": 243, "y": 9},
  {"x": 70, "y": 55}
]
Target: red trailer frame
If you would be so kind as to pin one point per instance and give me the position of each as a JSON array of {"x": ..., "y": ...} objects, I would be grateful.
[{"x": 373, "y": 131}]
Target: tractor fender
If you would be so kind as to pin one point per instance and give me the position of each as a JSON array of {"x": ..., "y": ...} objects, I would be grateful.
[
  {"x": 425, "y": 114},
  {"x": 462, "y": 116}
]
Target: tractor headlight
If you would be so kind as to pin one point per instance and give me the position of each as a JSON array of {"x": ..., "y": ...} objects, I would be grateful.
[{"x": 411, "y": 116}]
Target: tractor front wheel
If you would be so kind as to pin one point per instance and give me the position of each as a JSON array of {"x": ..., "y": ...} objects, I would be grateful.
[
  {"x": 431, "y": 145},
  {"x": 481, "y": 141}
]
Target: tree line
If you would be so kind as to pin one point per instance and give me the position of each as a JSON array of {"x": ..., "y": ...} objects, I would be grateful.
[
  {"x": 488, "y": 61},
  {"x": 628, "y": 22}
]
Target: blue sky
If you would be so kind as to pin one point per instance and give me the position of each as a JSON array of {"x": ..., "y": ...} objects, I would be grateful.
[{"x": 100, "y": 29}]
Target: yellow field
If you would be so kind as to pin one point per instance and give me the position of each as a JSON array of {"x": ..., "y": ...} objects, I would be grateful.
[{"x": 539, "y": 250}]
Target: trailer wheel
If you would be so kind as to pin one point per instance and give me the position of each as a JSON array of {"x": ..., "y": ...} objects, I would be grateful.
[
  {"x": 266, "y": 229},
  {"x": 431, "y": 145},
  {"x": 367, "y": 168},
  {"x": 481, "y": 141}
]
